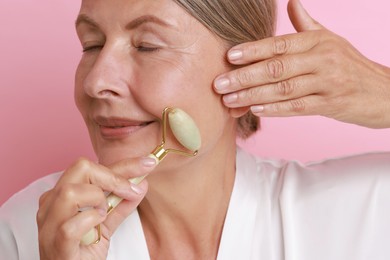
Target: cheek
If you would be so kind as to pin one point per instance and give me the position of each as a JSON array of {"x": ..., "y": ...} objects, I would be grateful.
[
  {"x": 174, "y": 80},
  {"x": 185, "y": 87}
]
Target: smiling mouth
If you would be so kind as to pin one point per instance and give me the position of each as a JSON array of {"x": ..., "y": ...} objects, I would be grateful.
[
  {"x": 122, "y": 126},
  {"x": 115, "y": 129}
]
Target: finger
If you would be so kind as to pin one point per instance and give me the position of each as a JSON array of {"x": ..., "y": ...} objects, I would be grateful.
[
  {"x": 309, "y": 105},
  {"x": 113, "y": 179},
  {"x": 280, "y": 91},
  {"x": 65, "y": 210},
  {"x": 63, "y": 232},
  {"x": 250, "y": 52},
  {"x": 68, "y": 235},
  {"x": 265, "y": 72},
  {"x": 116, "y": 217},
  {"x": 123, "y": 210},
  {"x": 135, "y": 167},
  {"x": 72, "y": 198},
  {"x": 69, "y": 199},
  {"x": 300, "y": 18},
  {"x": 128, "y": 168}
]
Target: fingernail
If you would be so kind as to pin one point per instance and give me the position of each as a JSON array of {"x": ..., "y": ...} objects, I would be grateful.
[
  {"x": 148, "y": 161},
  {"x": 234, "y": 55},
  {"x": 102, "y": 212},
  {"x": 222, "y": 83},
  {"x": 136, "y": 188},
  {"x": 257, "y": 109},
  {"x": 231, "y": 98}
]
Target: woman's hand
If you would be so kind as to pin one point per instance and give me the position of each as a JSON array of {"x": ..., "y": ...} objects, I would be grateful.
[
  {"x": 61, "y": 224},
  {"x": 312, "y": 72}
]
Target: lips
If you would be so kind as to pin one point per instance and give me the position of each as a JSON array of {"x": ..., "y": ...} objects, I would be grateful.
[{"x": 114, "y": 128}]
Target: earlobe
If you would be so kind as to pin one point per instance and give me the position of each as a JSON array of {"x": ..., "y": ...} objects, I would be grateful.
[{"x": 238, "y": 112}]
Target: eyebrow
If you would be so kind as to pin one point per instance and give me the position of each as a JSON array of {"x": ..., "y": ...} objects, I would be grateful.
[
  {"x": 83, "y": 18},
  {"x": 146, "y": 19}
]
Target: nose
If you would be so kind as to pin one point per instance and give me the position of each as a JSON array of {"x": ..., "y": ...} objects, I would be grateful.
[{"x": 107, "y": 76}]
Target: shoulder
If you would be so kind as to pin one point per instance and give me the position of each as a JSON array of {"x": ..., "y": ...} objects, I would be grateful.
[
  {"x": 27, "y": 198},
  {"x": 356, "y": 169},
  {"x": 345, "y": 198},
  {"x": 357, "y": 181},
  {"x": 374, "y": 163},
  {"x": 18, "y": 231},
  {"x": 337, "y": 182}
]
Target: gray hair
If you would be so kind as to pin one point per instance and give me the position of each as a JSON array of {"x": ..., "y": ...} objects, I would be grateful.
[{"x": 236, "y": 21}]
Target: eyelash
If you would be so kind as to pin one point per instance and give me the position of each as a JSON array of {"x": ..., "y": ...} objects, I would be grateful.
[
  {"x": 91, "y": 48},
  {"x": 139, "y": 48},
  {"x": 147, "y": 49}
]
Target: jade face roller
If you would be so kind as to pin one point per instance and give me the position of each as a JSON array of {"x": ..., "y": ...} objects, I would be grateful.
[{"x": 186, "y": 133}]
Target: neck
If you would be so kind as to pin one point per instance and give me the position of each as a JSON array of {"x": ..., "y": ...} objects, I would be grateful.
[{"x": 187, "y": 207}]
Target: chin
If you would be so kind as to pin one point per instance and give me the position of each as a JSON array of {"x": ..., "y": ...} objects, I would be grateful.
[
  {"x": 108, "y": 157},
  {"x": 114, "y": 152}
]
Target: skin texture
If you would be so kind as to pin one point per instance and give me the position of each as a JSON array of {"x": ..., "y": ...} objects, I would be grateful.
[
  {"x": 313, "y": 72},
  {"x": 140, "y": 57},
  {"x": 130, "y": 71}
]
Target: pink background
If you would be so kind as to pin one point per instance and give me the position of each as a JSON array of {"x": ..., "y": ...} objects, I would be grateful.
[{"x": 41, "y": 131}]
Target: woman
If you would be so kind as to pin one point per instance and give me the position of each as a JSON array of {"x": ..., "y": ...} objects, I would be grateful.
[{"x": 142, "y": 56}]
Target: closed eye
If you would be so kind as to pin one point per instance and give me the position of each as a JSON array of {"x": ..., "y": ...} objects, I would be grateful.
[
  {"x": 92, "y": 48},
  {"x": 147, "y": 49}
]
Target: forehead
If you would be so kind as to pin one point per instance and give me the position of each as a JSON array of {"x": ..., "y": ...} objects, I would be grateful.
[{"x": 121, "y": 11}]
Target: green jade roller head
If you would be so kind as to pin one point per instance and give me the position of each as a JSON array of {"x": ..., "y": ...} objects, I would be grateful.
[
  {"x": 183, "y": 129},
  {"x": 186, "y": 133}
]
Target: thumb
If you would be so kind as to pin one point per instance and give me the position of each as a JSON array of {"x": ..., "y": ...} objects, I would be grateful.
[{"x": 300, "y": 19}]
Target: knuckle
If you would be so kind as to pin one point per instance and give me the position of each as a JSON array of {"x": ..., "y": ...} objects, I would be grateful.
[
  {"x": 275, "y": 108},
  {"x": 254, "y": 50},
  {"x": 250, "y": 96},
  {"x": 245, "y": 76},
  {"x": 285, "y": 88},
  {"x": 118, "y": 181},
  {"x": 281, "y": 45},
  {"x": 41, "y": 213},
  {"x": 39, "y": 217},
  {"x": 42, "y": 198},
  {"x": 83, "y": 164},
  {"x": 297, "y": 105},
  {"x": 113, "y": 181},
  {"x": 67, "y": 192},
  {"x": 64, "y": 233},
  {"x": 275, "y": 69}
]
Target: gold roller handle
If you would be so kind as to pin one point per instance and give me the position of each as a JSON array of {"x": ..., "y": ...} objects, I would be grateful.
[
  {"x": 112, "y": 201},
  {"x": 187, "y": 134}
]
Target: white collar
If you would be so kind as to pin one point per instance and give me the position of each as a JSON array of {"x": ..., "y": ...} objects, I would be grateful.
[{"x": 239, "y": 234}]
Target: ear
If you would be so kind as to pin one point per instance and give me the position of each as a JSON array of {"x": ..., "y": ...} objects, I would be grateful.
[
  {"x": 300, "y": 19},
  {"x": 238, "y": 112}
]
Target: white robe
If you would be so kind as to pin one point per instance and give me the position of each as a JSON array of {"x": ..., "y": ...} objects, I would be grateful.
[{"x": 337, "y": 209}]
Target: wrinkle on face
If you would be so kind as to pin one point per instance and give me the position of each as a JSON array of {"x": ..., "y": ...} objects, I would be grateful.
[{"x": 178, "y": 74}]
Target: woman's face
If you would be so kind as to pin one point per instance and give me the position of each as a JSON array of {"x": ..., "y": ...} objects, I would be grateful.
[{"x": 140, "y": 57}]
